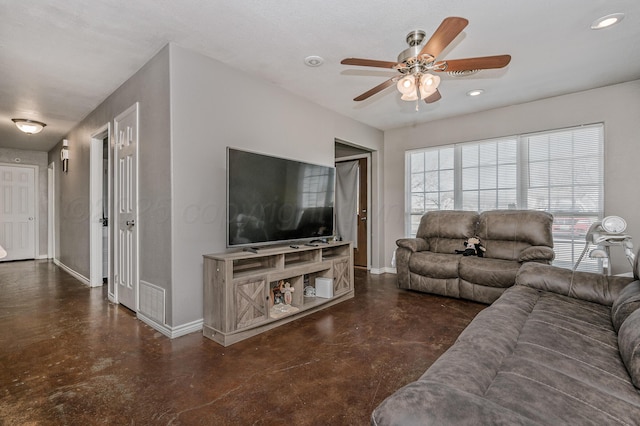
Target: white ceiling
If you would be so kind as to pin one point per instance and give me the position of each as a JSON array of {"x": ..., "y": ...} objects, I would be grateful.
[{"x": 61, "y": 59}]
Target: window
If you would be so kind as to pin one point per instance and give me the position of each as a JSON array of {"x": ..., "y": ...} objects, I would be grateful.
[
  {"x": 431, "y": 181},
  {"x": 559, "y": 171},
  {"x": 489, "y": 175}
]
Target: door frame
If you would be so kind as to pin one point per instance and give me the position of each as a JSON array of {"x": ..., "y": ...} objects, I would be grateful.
[
  {"x": 96, "y": 203},
  {"x": 36, "y": 205},
  {"x": 51, "y": 210},
  {"x": 366, "y": 156}
]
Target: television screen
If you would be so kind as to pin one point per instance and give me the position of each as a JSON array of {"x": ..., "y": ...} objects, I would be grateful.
[{"x": 271, "y": 199}]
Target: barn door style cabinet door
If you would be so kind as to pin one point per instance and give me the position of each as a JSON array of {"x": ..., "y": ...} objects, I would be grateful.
[{"x": 246, "y": 294}]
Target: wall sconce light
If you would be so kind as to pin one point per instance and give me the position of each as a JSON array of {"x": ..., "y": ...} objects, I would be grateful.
[
  {"x": 64, "y": 155},
  {"x": 30, "y": 127}
]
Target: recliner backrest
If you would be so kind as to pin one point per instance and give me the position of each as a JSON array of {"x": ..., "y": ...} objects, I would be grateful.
[
  {"x": 505, "y": 233},
  {"x": 447, "y": 230}
]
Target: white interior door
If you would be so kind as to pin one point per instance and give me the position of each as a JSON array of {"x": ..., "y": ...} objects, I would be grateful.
[
  {"x": 18, "y": 212},
  {"x": 126, "y": 208}
]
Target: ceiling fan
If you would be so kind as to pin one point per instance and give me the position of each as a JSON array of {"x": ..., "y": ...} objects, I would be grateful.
[{"x": 416, "y": 63}]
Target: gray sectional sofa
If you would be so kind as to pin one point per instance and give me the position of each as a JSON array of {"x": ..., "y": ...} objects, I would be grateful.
[
  {"x": 429, "y": 262},
  {"x": 558, "y": 348}
]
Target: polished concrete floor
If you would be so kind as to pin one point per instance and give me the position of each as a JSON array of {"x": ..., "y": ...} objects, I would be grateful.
[{"x": 69, "y": 357}]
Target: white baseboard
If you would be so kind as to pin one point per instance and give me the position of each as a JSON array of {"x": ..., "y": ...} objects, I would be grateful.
[
  {"x": 385, "y": 270},
  {"x": 172, "y": 332},
  {"x": 42, "y": 257},
  {"x": 84, "y": 280}
]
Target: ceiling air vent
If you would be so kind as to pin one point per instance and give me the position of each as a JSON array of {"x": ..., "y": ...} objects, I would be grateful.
[{"x": 462, "y": 73}]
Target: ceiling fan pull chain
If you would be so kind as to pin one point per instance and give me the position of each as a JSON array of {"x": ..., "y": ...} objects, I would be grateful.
[{"x": 418, "y": 105}]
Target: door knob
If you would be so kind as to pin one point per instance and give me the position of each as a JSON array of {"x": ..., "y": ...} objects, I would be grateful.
[{"x": 131, "y": 222}]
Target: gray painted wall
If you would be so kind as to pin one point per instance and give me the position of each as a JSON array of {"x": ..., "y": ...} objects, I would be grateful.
[
  {"x": 34, "y": 158},
  {"x": 191, "y": 109},
  {"x": 212, "y": 107},
  {"x": 150, "y": 87},
  {"x": 617, "y": 106}
]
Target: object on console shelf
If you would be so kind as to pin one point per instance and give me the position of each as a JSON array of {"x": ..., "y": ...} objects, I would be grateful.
[
  {"x": 281, "y": 310},
  {"x": 324, "y": 287},
  {"x": 286, "y": 290}
]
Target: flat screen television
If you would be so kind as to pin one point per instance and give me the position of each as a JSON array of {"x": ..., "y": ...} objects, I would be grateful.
[{"x": 273, "y": 200}]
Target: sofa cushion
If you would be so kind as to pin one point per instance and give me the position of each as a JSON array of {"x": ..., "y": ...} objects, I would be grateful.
[
  {"x": 447, "y": 230},
  {"x": 629, "y": 343},
  {"x": 627, "y": 302},
  {"x": 488, "y": 272},
  {"x": 505, "y": 233},
  {"x": 434, "y": 265}
]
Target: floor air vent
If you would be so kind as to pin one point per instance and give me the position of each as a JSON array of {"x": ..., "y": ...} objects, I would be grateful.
[{"x": 152, "y": 301}]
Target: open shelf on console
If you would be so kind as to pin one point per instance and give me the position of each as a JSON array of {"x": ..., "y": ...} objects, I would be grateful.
[
  {"x": 333, "y": 252},
  {"x": 243, "y": 267},
  {"x": 298, "y": 258}
]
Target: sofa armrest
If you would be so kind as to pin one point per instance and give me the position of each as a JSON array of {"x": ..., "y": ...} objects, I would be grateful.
[
  {"x": 537, "y": 253},
  {"x": 588, "y": 286},
  {"x": 413, "y": 244}
]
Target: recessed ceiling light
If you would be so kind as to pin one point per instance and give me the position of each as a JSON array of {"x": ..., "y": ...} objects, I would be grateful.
[
  {"x": 475, "y": 92},
  {"x": 607, "y": 21},
  {"x": 313, "y": 61}
]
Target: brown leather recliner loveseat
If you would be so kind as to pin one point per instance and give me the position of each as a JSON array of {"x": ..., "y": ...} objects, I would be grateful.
[{"x": 429, "y": 262}]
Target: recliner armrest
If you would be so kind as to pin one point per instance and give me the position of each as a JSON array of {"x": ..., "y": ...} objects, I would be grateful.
[
  {"x": 537, "y": 253},
  {"x": 413, "y": 244},
  {"x": 588, "y": 286}
]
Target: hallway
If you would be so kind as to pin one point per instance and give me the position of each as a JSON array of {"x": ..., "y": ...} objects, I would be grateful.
[{"x": 70, "y": 357}]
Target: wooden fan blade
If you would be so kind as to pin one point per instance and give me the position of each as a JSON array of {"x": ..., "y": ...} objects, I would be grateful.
[
  {"x": 482, "y": 63},
  {"x": 446, "y": 32},
  {"x": 375, "y": 90},
  {"x": 435, "y": 96},
  {"x": 368, "y": 63}
]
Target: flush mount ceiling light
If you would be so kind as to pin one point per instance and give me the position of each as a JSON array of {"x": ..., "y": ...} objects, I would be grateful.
[
  {"x": 607, "y": 21},
  {"x": 313, "y": 61},
  {"x": 476, "y": 92},
  {"x": 30, "y": 127}
]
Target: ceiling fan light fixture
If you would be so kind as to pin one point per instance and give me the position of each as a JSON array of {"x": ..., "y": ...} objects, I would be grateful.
[
  {"x": 428, "y": 85},
  {"x": 607, "y": 21},
  {"x": 415, "y": 64},
  {"x": 409, "y": 96},
  {"x": 30, "y": 127},
  {"x": 407, "y": 85}
]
